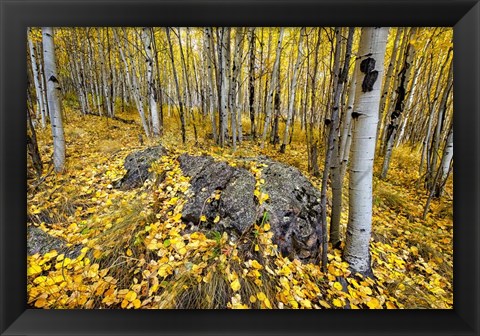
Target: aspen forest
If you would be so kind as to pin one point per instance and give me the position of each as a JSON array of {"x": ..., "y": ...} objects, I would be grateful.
[{"x": 240, "y": 168}]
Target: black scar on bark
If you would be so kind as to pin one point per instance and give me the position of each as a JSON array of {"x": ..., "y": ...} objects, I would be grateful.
[
  {"x": 369, "y": 80},
  {"x": 355, "y": 115},
  {"x": 367, "y": 66},
  {"x": 53, "y": 79}
]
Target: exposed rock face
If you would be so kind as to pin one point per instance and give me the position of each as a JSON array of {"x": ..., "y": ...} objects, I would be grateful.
[
  {"x": 137, "y": 165},
  {"x": 38, "y": 241},
  {"x": 236, "y": 206},
  {"x": 294, "y": 210},
  {"x": 293, "y": 206}
]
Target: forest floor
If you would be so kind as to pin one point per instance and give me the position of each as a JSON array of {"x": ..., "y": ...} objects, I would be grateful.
[{"x": 135, "y": 254}]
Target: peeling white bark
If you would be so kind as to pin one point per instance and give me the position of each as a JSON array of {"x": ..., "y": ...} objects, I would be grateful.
[
  {"x": 53, "y": 97},
  {"x": 357, "y": 249},
  {"x": 147, "y": 42}
]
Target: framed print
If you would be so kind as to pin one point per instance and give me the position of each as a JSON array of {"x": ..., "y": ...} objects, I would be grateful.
[{"x": 239, "y": 167}]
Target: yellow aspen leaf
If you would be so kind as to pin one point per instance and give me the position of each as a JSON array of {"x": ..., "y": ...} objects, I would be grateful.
[
  {"x": 124, "y": 304},
  {"x": 266, "y": 227},
  {"x": 337, "y": 303},
  {"x": 34, "y": 269},
  {"x": 374, "y": 304},
  {"x": 177, "y": 217},
  {"x": 136, "y": 303},
  {"x": 253, "y": 299},
  {"x": 261, "y": 296},
  {"x": 306, "y": 303},
  {"x": 257, "y": 248},
  {"x": 129, "y": 252},
  {"x": 203, "y": 218},
  {"x": 40, "y": 303},
  {"x": 390, "y": 305},
  {"x": 51, "y": 254},
  {"x": 267, "y": 303},
  {"x": 173, "y": 201},
  {"x": 324, "y": 304},
  {"x": 285, "y": 270},
  {"x": 235, "y": 285},
  {"x": 40, "y": 279},
  {"x": 97, "y": 254},
  {"x": 337, "y": 285},
  {"x": 293, "y": 303},
  {"x": 130, "y": 296},
  {"x": 366, "y": 290},
  {"x": 256, "y": 264},
  {"x": 217, "y": 219}
]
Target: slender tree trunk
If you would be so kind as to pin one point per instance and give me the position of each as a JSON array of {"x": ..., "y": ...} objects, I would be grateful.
[
  {"x": 32, "y": 145},
  {"x": 395, "y": 116},
  {"x": 210, "y": 56},
  {"x": 388, "y": 78},
  {"x": 38, "y": 83},
  {"x": 293, "y": 90},
  {"x": 179, "y": 96},
  {"x": 223, "y": 44},
  {"x": 159, "y": 91},
  {"x": 332, "y": 156},
  {"x": 445, "y": 164},
  {"x": 133, "y": 82},
  {"x": 188, "y": 94},
  {"x": 251, "y": 82},
  {"x": 367, "y": 100},
  {"x": 152, "y": 97},
  {"x": 106, "y": 95},
  {"x": 53, "y": 97},
  {"x": 273, "y": 86},
  {"x": 438, "y": 129}
]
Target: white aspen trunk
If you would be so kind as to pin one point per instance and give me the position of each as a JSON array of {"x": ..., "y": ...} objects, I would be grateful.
[
  {"x": 223, "y": 94},
  {"x": 152, "y": 99},
  {"x": 84, "y": 81},
  {"x": 408, "y": 107},
  {"x": 347, "y": 123},
  {"x": 43, "y": 82},
  {"x": 210, "y": 92},
  {"x": 251, "y": 81},
  {"x": 333, "y": 151},
  {"x": 446, "y": 162},
  {"x": 388, "y": 78},
  {"x": 94, "y": 77},
  {"x": 38, "y": 83},
  {"x": 133, "y": 83},
  {"x": 440, "y": 121},
  {"x": 367, "y": 100},
  {"x": 236, "y": 80},
  {"x": 293, "y": 90},
  {"x": 53, "y": 97},
  {"x": 177, "y": 87},
  {"x": 272, "y": 88},
  {"x": 395, "y": 117},
  {"x": 104, "y": 85},
  {"x": 233, "y": 73}
]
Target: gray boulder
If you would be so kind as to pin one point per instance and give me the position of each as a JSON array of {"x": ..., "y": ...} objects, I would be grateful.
[
  {"x": 137, "y": 165},
  {"x": 236, "y": 206},
  {"x": 38, "y": 241},
  {"x": 293, "y": 209}
]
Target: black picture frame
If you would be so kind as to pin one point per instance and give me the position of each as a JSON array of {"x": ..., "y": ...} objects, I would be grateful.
[{"x": 16, "y": 16}]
